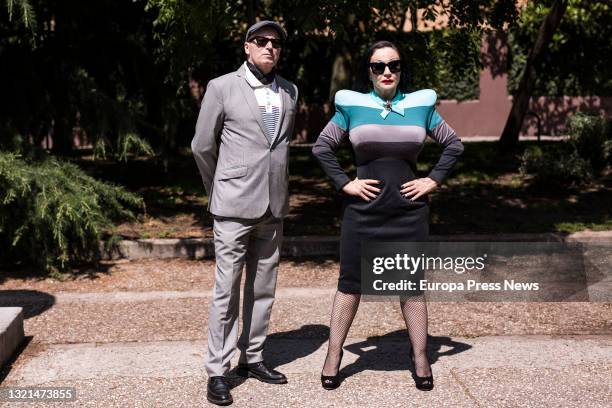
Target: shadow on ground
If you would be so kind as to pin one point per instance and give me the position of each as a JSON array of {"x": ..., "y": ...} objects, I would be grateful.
[
  {"x": 386, "y": 353},
  {"x": 33, "y": 302},
  {"x": 390, "y": 352}
]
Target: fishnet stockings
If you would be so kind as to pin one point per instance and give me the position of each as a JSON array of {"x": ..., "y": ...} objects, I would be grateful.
[
  {"x": 343, "y": 313},
  {"x": 414, "y": 310}
]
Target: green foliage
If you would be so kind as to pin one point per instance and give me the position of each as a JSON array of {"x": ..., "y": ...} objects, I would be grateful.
[
  {"x": 556, "y": 166},
  {"x": 201, "y": 35},
  {"x": 457, "y": 63},
  {"x": 578, "y": 60},
  {"x": 131, "y": 143},
  {"x": 114, "y": 68},
  {"x": 52, "y": 214},
  {"x": 576, "y": 160},
  {"x": 25, "y": 11},
  {"x": 128, "y": 144},
  {"x": 111, "y": 122},
  {"x": 607, "y": 150},
  {"x": 92, "y": 67},
  {"x": 591, "y": 137},
  {"x": 322, "y": 30}
]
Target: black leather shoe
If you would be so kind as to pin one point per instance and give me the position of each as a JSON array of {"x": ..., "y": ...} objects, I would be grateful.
[
  {"x": 261, "y": 372},
  {"x": 219, "y": 391}
]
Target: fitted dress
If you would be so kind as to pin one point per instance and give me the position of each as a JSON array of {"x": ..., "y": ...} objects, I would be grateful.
[{"x": 386, "y": 139}]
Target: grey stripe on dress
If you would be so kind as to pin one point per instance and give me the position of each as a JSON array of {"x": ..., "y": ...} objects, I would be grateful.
[
  {"x": 443, "y": 133},
  {"x": 387, "y": 133}
]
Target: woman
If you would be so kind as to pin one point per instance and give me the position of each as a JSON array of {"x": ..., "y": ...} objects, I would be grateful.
[{"x": 386, "y": 201}]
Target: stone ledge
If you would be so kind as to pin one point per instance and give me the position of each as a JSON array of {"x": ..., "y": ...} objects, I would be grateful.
[
  {"x": 298, "y": 246},
  {"x": 11, "y": 332}
]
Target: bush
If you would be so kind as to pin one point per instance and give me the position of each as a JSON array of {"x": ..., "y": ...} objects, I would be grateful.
[
  {"x": 591, "y": 136},
  {"x": 128, "y": 144},
  {"x": 555, "y": 166},
  {"x": 607, "y": 148},
  {"x": 52, "y": 214},
  {"x": 584, "y": 155}
]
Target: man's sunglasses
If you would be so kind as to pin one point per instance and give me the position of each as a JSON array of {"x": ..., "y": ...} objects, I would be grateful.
[
  {"x": 263, "y": 41},
  {"x": 378, "y": 68}
]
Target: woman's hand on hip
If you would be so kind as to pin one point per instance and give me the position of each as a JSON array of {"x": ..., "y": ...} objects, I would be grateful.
[
  {"x": 362, "y": 188},
  {"x": 418, "y": 187}
]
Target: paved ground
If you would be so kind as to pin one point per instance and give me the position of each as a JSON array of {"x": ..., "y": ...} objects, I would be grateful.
[{"x": 132, "y": 334}]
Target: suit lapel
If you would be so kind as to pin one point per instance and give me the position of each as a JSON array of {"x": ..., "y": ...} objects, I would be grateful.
[{"x": 251, "y": 101}]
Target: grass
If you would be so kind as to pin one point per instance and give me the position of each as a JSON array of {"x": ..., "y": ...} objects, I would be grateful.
[{"x": 485, "y": 194}]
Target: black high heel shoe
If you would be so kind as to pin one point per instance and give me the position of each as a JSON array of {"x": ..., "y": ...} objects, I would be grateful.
[
  {"x": 331, "y": 382},
  {"x": 422, "y": 383}
]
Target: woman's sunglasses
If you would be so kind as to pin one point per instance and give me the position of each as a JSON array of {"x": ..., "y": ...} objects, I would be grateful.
[
  {"x": 378, "y": 68},
  {"x": 263, "y": 41}
]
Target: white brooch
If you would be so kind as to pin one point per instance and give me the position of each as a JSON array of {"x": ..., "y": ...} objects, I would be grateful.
[{"x": 386, "y": 110}]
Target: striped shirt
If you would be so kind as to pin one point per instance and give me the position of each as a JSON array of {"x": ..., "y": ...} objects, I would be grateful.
[{"x": 269, "y": 102}]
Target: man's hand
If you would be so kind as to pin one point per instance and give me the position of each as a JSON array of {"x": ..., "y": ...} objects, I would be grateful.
[
  {"x": 362, "y": 188},
  {"x": 418, "y": 187}
]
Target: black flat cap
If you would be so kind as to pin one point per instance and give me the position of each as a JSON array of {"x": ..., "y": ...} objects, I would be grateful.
[{"x": 266, "y": 23}]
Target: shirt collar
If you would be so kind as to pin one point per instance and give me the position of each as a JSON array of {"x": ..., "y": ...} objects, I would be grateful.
[
  {"x": 394, "y": 103},
  {"x": 256, "y": 83}
]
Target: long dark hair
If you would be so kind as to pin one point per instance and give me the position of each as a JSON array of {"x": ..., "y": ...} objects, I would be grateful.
[{"x": 403, "y": 79}]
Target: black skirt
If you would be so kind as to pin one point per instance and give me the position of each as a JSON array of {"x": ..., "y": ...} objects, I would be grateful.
[{"x": 387, "y": 218}]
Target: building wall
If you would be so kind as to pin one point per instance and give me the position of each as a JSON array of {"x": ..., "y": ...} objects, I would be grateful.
[{"x": 487, "y": 115}]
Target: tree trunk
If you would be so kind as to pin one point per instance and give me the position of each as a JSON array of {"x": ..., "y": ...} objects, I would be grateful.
[
  {"x": 62, "y": 123},
  {"x": 60, "y": 65},
  {"x": 340, "y": 77},
  {"x": 62, "y": 145},
  {"x": 251, "y": 11},
  {"x": 520, "y": 101},
  {"x": 414, "y": 9}
]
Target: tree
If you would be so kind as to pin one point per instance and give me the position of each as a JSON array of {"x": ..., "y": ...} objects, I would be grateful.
[
  {"x": 119, "y": 69},
  {"x": 326, "y": 37},
  {"x": 25, "y": 11},
  {"x": 89, "y": 65},
  {"x": 577, "y": 60},
  {"x": 520, "y": 101}
]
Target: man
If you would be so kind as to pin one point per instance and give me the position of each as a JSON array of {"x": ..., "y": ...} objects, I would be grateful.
[{"x": 241, "y": 147}]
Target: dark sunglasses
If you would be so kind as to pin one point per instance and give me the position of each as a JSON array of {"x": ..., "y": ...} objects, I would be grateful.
[
  {"x": 378, "y": 68},
  {"x": 263, "y": 41}
]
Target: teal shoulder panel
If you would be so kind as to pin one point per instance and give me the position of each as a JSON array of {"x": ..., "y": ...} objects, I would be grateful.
[
  {"x": 434, "y": 119},
  {"x": 340, "y": 117},
  {"x": 354, "y": 109},
  {"x": 416, "y": 116}
]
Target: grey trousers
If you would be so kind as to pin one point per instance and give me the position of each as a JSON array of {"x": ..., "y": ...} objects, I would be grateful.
[{"x": 255, "y": 243}]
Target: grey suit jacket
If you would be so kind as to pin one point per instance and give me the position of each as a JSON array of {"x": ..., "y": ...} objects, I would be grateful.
[{"x": 243, "y": 173}]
